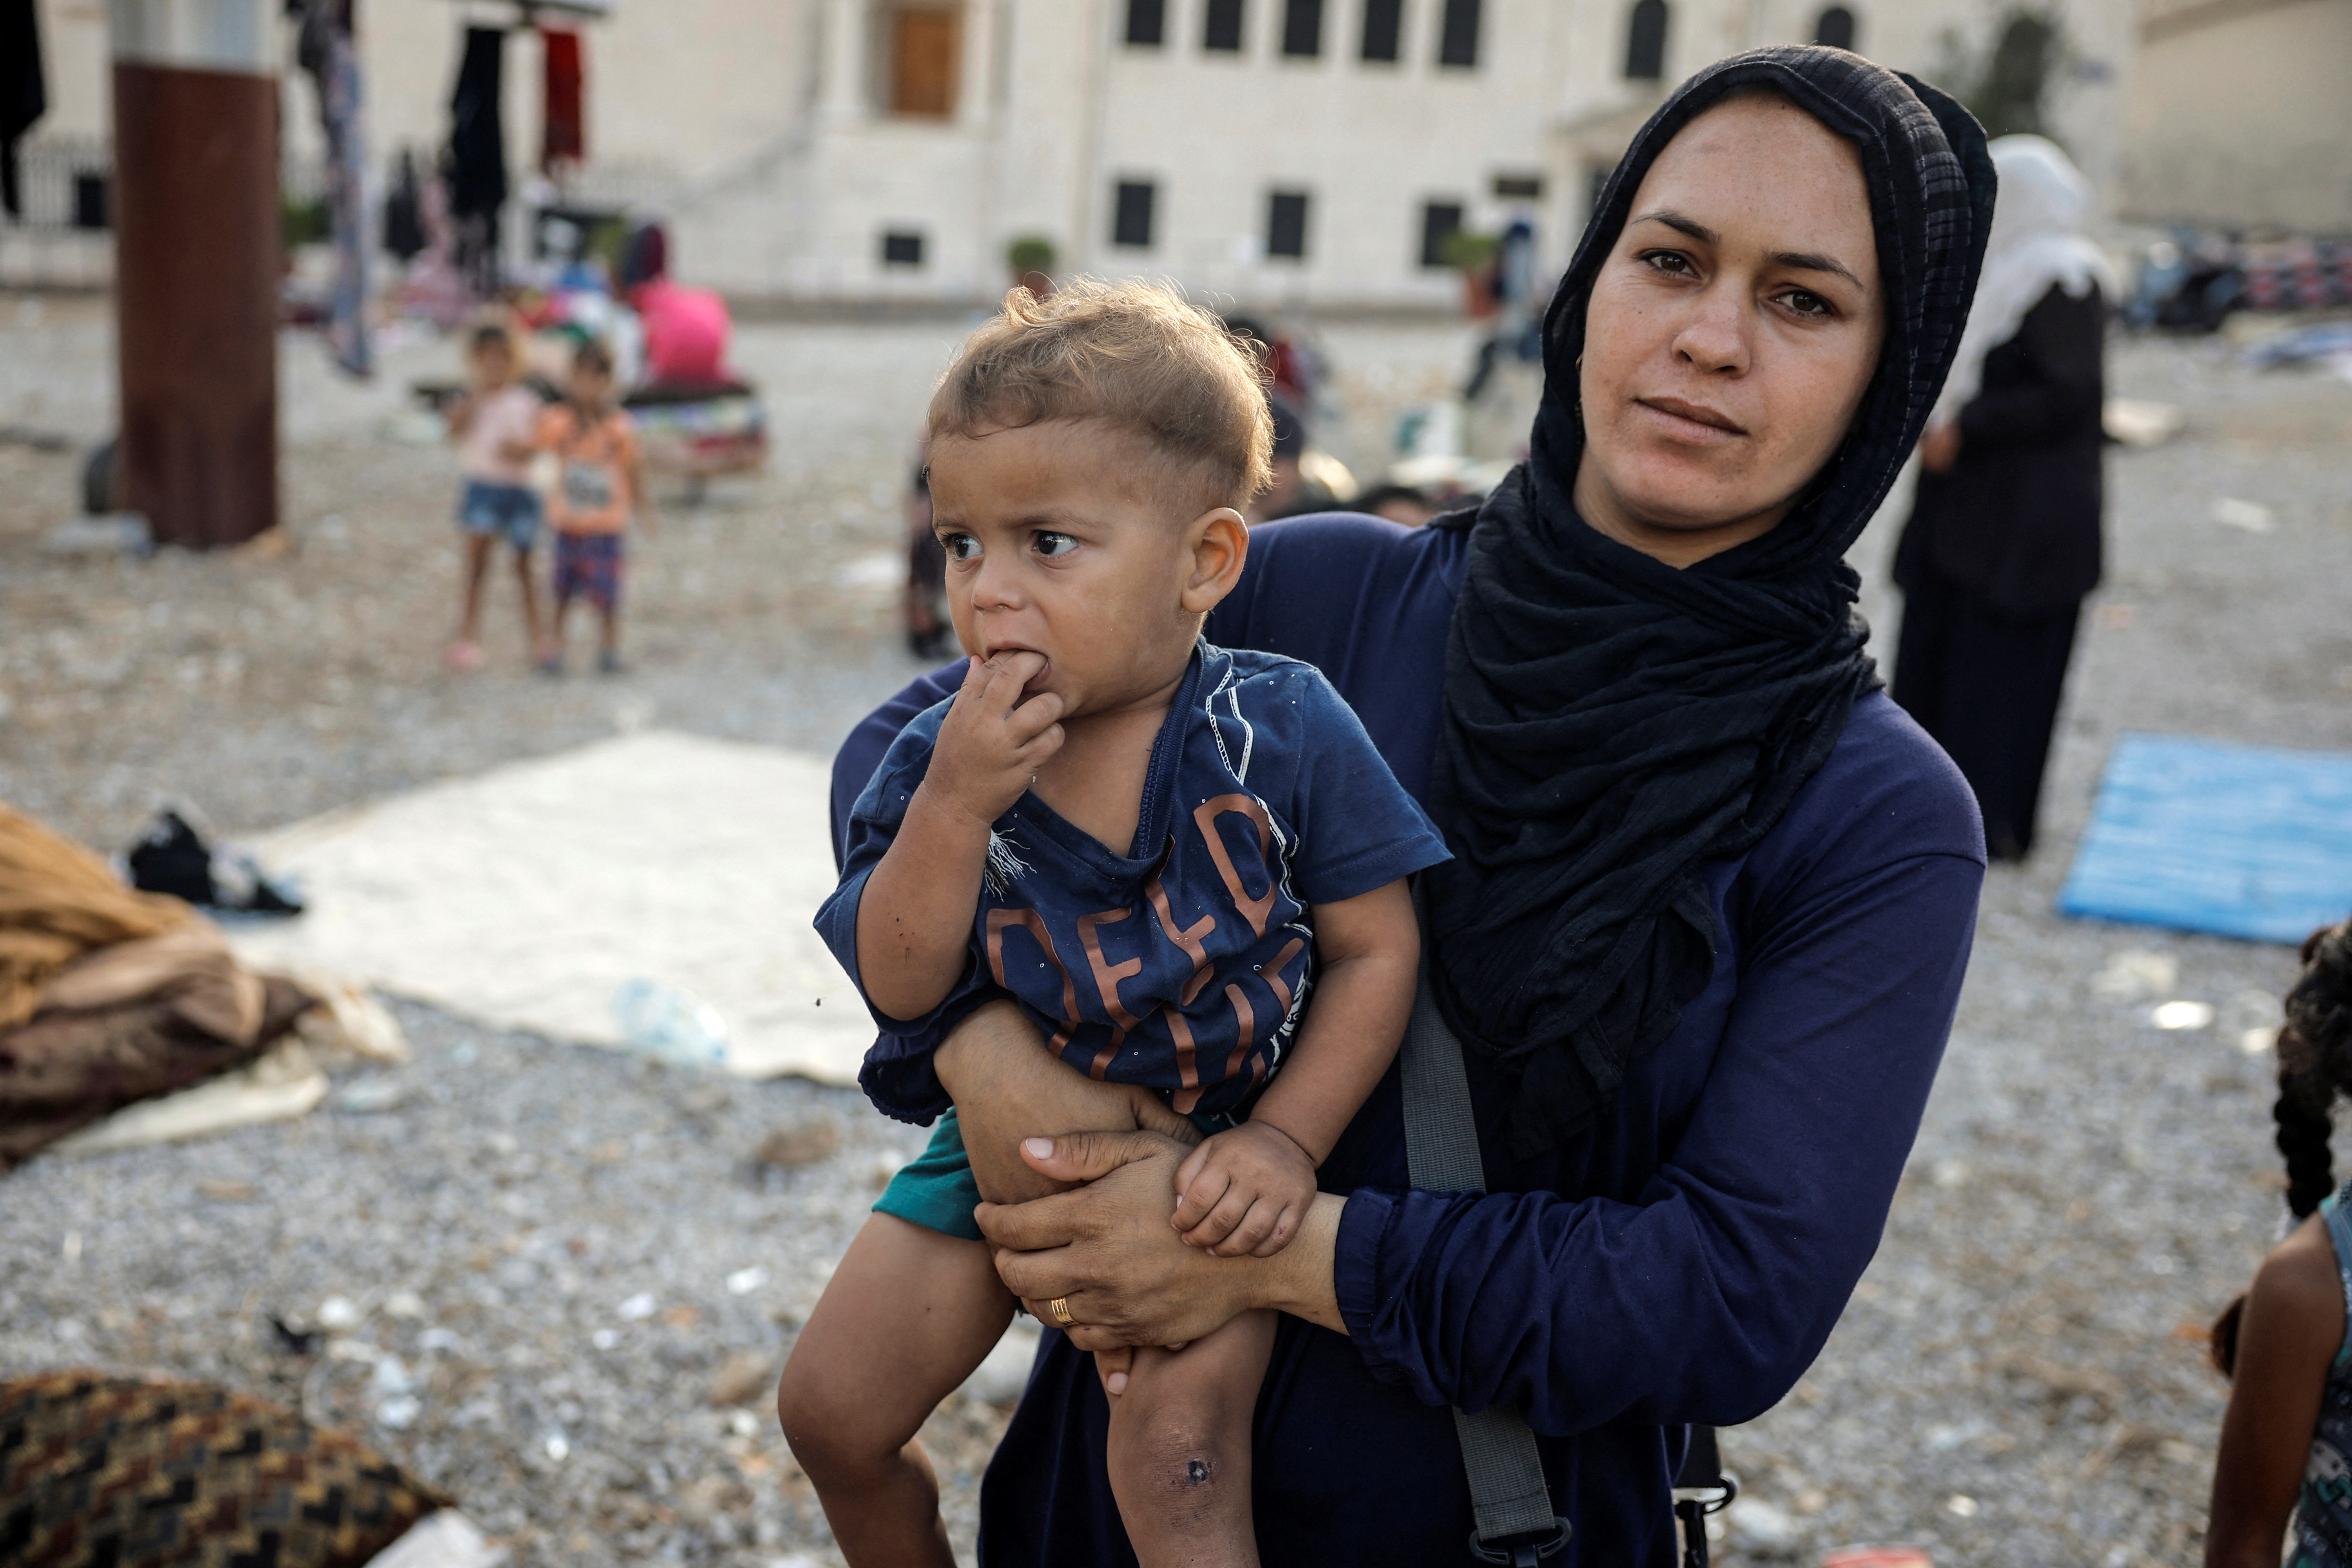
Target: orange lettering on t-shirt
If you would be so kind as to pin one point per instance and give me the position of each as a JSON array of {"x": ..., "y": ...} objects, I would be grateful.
[
  {"x": 1189, "y": 938},
  {"x": 1034, "y": 924},
  {"x": 1107, "y": 979},
  {"x": 1254, "y": 911}
]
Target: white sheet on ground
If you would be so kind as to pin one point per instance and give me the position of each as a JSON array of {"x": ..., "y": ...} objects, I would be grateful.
[{"x": 528, "y": 895}]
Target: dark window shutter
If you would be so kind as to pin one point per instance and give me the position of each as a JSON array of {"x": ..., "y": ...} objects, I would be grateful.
[
  {"x": 1457, "y": 43},
  {"x": 1132, "y": 215},
  {"x": 1384, "y": 22},
  {"x": 1440, "y": 221},
  {"x": 1223, "y": 28},
  {"x": 1286, "y": 224},
  {"x": 1302, "y": 28},
  {"x": 902, "y": 250},
  {"x": 1835, "y": 29},
  {"x": 1645, "y": 42},
  {"x": 1146, "y": 21}
]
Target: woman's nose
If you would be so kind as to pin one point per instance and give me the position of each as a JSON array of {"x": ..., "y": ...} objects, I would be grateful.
[{"x": 1713, "y": 336}]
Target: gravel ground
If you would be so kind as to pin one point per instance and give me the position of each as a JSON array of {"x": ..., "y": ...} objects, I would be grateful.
[{"x": 2018, "y": 1382}]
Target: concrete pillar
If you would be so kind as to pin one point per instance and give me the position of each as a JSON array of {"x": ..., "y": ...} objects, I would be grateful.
[
  {"x": 846, "y": 93},
  {"x": 196, "y": 264},
  {"x": 976, "y": 86}
]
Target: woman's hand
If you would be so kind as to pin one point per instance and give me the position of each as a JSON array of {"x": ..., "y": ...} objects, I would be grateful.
[
  {"x": 1940, "y": 447},
  {"x": 1008, "y": 1087},
  {"x": 1128, "y": 1278}
]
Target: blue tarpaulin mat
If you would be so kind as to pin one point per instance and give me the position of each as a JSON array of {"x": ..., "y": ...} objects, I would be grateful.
[{"x": 2245, "y": 841}]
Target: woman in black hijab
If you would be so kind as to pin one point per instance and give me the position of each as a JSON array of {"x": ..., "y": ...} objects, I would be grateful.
[{"x": 1711, "y": 903}]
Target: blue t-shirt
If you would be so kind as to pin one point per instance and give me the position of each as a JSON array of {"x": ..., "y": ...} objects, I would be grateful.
[{"x": 1184, "y": 964}]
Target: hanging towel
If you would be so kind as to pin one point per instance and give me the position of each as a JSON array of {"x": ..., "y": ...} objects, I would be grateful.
[
  {"x": 24, "y": 96},
  {"x": 329, "y": 51},
  {"x": 566, "y": 135}
]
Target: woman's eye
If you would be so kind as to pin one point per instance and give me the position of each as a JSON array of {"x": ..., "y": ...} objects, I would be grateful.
[
  {"x": 1050, "y": 543},
  {"x": 1805, "y": 302},
  {"x": 1672, "y": 262},
  {"x": 960, "y": 546}
]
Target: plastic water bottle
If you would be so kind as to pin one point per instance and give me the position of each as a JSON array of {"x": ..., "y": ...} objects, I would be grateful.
[{"x": 665, "y": 1023}]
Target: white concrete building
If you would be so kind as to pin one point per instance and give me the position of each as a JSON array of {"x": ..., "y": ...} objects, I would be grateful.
[{"x": 1283, "y": 152}]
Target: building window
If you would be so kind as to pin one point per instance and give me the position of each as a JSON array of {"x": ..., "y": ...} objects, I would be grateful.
[
  {"x": 1130, "y": 221},
  {"x": 1384, "y": 22},
  {"x": 1835, "y": 29},
  {"x": 1457, "y": 37},
  {"x": 1440, "y": 222},
  {"x": 901, "y": 248},
  {"x": 1146, "y": 20},
  {"x": 1222, "y": 29},
  {"x": 1645, "y": 42},
  {"x": 1519, "y": 187},
  {"x": 923, "y": 49},
  {"x": 1286, "y": 224},
  {"x": 1302, "y": 28}
]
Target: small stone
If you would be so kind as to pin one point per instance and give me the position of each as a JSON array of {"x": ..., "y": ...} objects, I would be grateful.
[
  {"x": 802, "y": 1143},
  {"x": 743, "y": 1281},
  {"x": 404, "y": 1304},
  {"x": 338, "y": 1312},
  {"x": 225, "y": 1192},
  {"x": 1762, "y": 1526},
  {"x": 637, "y": 1308},
  {"x": 744, "y": 1377},
  {"x": 371, "y": 1095}
]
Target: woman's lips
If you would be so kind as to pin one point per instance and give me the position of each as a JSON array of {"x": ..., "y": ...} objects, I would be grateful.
[{"x": 1690, "y": 421}]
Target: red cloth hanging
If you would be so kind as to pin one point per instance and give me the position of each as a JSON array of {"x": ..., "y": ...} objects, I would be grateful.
[{"x": 566, "y": 137}]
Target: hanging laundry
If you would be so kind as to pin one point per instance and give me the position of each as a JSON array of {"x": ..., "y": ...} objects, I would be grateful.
[
  {"x": 403, "y": 211},
  {"x": 478, "y": 156},
  {"x": 24, "y": 96},
  {"x": 330, "y": 53},
  {"x": 565, "y": 139}
]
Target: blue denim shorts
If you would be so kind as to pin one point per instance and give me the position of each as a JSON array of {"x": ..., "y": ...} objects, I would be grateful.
[{"x": 511, "y": 512}]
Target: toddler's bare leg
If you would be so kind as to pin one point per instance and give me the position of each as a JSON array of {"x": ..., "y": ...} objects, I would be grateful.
[
  {"x": 531, "y": 617},
  {"x": 903, "y": 1321},
  {"x": 477, "y": 562},
  {"x": 1179, "y": 1447}
]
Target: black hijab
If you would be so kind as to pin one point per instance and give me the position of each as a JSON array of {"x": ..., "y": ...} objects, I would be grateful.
[{"x": 1614, "y": 724}]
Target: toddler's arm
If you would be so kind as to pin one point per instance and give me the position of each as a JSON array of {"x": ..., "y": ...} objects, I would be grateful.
[
  {"x": 1247, "y": 1191},
  {"x": 914, "y": 919}
]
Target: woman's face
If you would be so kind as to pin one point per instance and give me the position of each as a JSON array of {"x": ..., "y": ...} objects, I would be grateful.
[{"x": 1730, "y": 334}]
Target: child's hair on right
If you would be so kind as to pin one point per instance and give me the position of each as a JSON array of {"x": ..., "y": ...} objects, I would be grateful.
[
  {"x": 2314, "y": 1056},
  {"x": 1134, "y": 354},
  {"x": 592, "y": 356}
]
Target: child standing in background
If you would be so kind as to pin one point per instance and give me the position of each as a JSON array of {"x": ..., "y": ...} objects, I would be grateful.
[
  {"x": 494, "y": 423},
  {"x": 599, "y": 490},
  {"x": 2286, "y": 1441}
]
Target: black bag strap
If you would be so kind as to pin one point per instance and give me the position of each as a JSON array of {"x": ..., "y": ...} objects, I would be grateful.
[
  {"x": 1702, "y": 1487},
  {"x": 1509, "y": 1500}
]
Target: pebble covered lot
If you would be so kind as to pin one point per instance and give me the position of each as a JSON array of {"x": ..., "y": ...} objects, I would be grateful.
[{"x": 556, "y": 1282}]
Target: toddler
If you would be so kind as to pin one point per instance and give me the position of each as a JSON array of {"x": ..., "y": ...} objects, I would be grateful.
[
  {"x": 494, "y": 422},
  {"x": 599, "y": 489},
  {"x": 1156, "y": 846}
]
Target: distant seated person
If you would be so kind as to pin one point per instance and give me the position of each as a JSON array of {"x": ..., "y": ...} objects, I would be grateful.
[
  {"x": 685, "y": 329},
  {"x": 1399, "y": 503},
  {"x": 1294, "y": 492}
]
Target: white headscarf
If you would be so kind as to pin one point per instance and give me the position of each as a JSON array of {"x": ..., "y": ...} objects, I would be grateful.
[{"x": 2037, "y": 240}]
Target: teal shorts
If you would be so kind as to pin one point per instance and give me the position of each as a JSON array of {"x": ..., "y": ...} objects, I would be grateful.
[{"x": 937, "y": 1189}]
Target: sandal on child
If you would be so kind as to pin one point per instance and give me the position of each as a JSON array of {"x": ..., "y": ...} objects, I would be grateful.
[{"x": 464, "y": 657}]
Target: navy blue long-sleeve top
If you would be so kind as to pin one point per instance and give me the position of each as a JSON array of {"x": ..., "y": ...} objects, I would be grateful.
[{"x": 1681, "y": 1262}]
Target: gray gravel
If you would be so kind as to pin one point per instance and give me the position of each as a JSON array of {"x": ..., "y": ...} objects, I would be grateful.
[{"x": 2019, "y": 1382}]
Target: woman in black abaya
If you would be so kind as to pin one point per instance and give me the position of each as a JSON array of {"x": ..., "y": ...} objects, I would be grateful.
[{"x": 2004, "y": 541}]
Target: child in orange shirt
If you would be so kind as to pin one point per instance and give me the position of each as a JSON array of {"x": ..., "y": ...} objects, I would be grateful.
[{"x": 601, "y": 487}]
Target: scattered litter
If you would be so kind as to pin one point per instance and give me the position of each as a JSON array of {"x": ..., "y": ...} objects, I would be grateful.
[
  {"x": 293, "y": 1341},
  {"x": 665, "y": 1023},
  {"x": 743, "y": 1281},
  {"x": 744, "y": 1377},
  {"x": 371, "y": 1095},
  {"x": 172, "y": 857},
  {"x": 557, "y": 1446},
  {"x": 339, "y": 1312},
  {"x": 637, "y": 1308},
  {"x": 1003, "y": 1374},
  {"x": 802, "y": 1143},
  {"x": 2182, "y": 1015},
  {"x": 349, "y": 1020},
  {"x": 1761, "y": 1526},
  {"x": 884, "y": 569},
  {"x": 2136, "y": 422},
  {"x": 2134, "y": 973},
  {"x": 115, "y": 534},
  {"x": 2323, "y": 343},
  {"x": 443, "y": 1539},
  {"x": 2252, "y": 516},
  {"x": 413, "y": 427}
]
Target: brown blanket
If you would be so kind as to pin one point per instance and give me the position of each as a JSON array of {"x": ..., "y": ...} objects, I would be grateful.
[{"x": 57, "y": 900}]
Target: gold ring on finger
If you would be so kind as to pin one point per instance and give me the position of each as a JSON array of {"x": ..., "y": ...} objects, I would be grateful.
[{"x": 1060, "y": 1308}]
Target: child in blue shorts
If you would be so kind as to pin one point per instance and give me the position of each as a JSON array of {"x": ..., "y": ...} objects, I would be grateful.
[
  {"x": 1156, "y": 846},
  {"x": 496, "y": 424}
]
